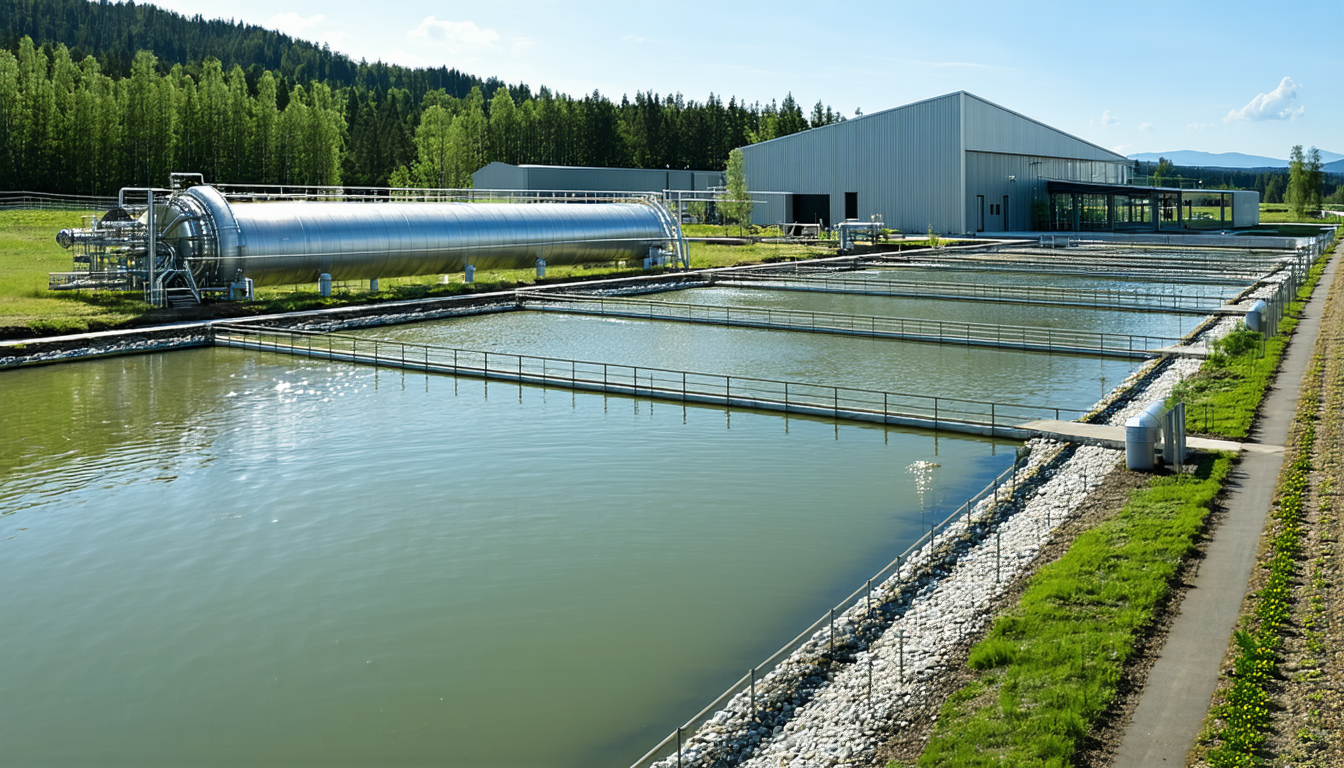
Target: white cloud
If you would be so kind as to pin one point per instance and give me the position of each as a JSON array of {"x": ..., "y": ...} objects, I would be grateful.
[
  {"x": 1195, "y": 127},
  {"x": 1121, "y": 149},
  {"x": 456, "y": 36},
  {"x": 1145, "y": 126},
  {"x": 1275, "y": 105},
  {"x": 1108, "y": 119},
  {"x": 632, "y": 39}
]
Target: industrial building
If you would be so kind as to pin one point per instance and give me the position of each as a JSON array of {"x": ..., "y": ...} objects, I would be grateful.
[
  {"x": 956, "y": 163},
  {"x": 960, "y": 164},
  {"x": 579, "y": 179}
]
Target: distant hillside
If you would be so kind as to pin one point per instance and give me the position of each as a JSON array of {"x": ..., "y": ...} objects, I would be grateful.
[
  {"x": 1232, "y": 159},
  {"x": 113, "y": 33}
]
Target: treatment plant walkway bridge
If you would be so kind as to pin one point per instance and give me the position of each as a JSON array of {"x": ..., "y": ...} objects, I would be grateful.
[
  {"x": 1035, "y": 339},
  {"x": 1089, "y": 298},
  {"x": 805, "y": 399}
]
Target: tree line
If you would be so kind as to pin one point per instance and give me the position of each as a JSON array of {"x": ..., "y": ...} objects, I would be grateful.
[
  {"x": 70, "y": 126},
  {"x": 1272, "y": 184}
]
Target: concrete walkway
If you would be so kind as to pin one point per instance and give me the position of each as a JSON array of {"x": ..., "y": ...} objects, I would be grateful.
[
  {"x": 1108, "y": 436},
  {"x": 1181, "y": 683}
]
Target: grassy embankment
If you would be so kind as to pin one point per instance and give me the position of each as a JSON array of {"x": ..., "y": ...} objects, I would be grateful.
[
  {"x": 1050, "y": 667},
  {"x": 1282, "y": 702},
  {"x": 28, "y": 251}
]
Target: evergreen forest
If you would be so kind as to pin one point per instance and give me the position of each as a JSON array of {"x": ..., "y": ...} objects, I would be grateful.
[{"x": 99, "y": 95}]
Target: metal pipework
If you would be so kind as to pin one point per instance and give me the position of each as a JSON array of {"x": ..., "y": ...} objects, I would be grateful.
[
  {"x": 294, "y": 242},
  {"x": 215, "y": 243}
]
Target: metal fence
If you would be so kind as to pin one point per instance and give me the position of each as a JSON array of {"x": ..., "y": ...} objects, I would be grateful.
[
  {"x": 849, "y": 403},
  {"x": 1031, "y": 338},
  {"x": 1173, "y": 270},
  {"x": 1100, "y": 298},
  {"x": 957, "y": 527},
  {"x": 260, "y": 192},
  {"x": 21, "y": 199}
]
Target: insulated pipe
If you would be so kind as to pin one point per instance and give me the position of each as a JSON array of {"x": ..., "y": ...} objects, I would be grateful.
[
  {"x": 294, "y": 242},
  {"x": 1141, "y": 433},
  {"x": 1255, "y": 316}
]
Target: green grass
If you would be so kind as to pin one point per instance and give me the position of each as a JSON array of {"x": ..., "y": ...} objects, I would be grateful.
[
  {"x": 728, "y": 230},
  {"x": 1048, "y": 669},
  {"x": 1224, "y": 396},
  {"x": 28, "y": 251},
  {"x": 1280, "y": 213}
]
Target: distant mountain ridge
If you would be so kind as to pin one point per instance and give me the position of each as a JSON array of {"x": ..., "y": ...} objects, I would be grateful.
[{"x": 1333, "y": 162}]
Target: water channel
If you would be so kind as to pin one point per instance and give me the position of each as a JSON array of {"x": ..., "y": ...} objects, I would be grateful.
[
  {"x": 1033, "y": 315},
  {"x": 215, "y": 557},
  {"x": 971, "y": 373}
]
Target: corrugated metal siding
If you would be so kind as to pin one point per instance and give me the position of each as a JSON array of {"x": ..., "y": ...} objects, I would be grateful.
[
  {"x": 597, "y": 179},
  {"x": 904, "y": 164},
  {"x": 991, "y": 128},
  {"x": 988, "y": 174},
  {"x": 771, "y": 208},
  {"x": 499, "y": 176},
  {"x": 543, "y": 177},
  {"x": 1245, "y": 208}
]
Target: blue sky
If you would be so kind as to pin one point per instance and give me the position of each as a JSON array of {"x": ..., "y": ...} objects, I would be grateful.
[{"x": 1250, "y": 77}]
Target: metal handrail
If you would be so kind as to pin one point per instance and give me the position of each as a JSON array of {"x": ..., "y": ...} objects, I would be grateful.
[
  {"x": 424, "y": 194},
  {"x": 1099, "y": 297},
  {"x": 913, "y": 329},
  {"x": 804, "y": 398}
]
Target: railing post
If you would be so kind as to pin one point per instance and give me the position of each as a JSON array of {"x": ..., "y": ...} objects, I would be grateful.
[
  {"x": 831, "y": 641},
  {"x": 753, "y": 695}
]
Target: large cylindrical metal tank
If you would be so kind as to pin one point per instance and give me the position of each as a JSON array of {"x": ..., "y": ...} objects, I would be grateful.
[{"x": 294, "y": 242}]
